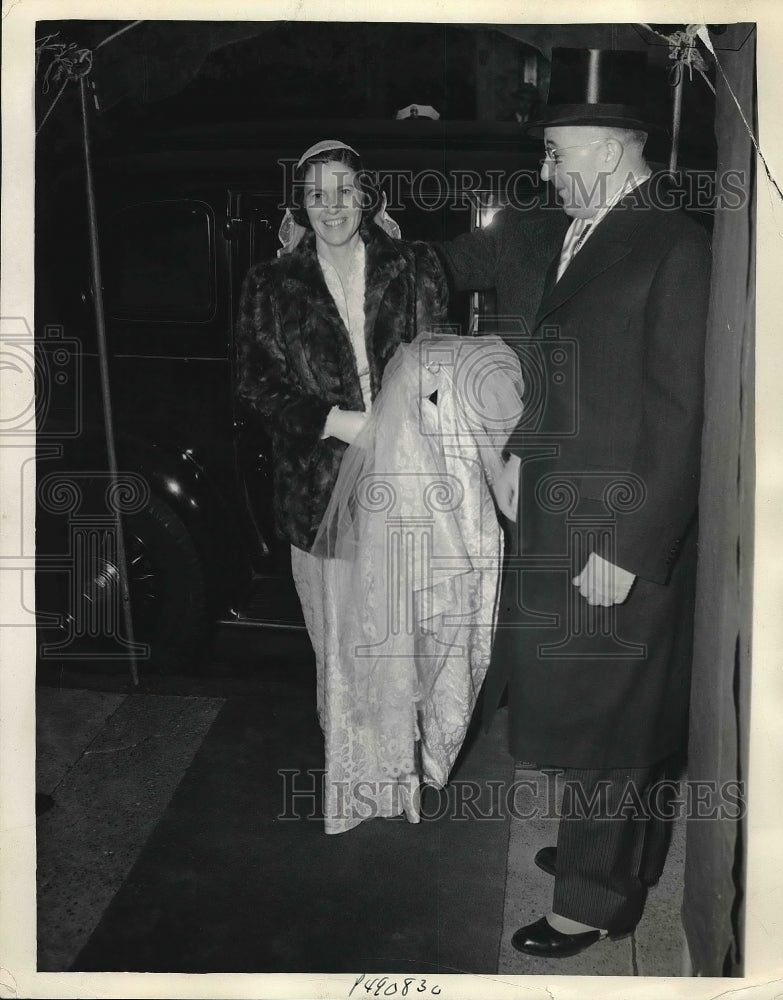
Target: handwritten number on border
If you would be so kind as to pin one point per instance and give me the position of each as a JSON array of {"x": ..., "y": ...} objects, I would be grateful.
[{"x": 385, "y": 986}]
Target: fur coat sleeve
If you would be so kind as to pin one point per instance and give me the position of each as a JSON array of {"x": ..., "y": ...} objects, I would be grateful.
[{"x": 268, "y": 382}]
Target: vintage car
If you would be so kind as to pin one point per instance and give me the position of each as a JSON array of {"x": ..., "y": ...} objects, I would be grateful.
[{"x": 181, "y": 217}]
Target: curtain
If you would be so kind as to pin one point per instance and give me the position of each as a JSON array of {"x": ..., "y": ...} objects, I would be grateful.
[{"x": 715, "y": 849}]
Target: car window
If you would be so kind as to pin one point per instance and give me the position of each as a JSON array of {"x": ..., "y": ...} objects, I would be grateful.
[{"x": 160, "y": 262}]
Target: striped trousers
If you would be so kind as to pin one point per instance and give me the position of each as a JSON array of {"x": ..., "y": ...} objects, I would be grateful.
[{"x": 613, "y": 836}]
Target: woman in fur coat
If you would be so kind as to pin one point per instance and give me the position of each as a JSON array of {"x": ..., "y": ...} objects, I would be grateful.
[{"x": 317, "y": 327}]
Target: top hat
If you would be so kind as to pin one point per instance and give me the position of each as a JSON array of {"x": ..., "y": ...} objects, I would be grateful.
[{"x": 598, "y": 87}]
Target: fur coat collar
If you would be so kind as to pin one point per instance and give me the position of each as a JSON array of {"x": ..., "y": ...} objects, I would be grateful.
[{"x": 303, "y": 286}]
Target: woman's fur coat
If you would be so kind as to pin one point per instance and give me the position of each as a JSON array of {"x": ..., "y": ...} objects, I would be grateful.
[{"x": 296, "y": 360}]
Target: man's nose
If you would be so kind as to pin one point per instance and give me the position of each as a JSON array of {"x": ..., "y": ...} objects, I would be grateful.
[{"x": 546, "y": 170}]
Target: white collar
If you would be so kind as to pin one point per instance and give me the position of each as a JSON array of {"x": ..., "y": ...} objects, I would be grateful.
[{"x": 356, "y": 263}]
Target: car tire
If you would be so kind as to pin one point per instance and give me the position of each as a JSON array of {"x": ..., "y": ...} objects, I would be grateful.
[
  {"x": 168, "y": 589},
  {"x": 167, "y": 584}
]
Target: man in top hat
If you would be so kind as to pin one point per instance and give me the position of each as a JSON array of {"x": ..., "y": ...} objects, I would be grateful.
[{"x": 595, "y": 625}]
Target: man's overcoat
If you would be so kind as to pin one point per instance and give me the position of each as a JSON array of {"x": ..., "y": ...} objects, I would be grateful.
[{"x": 609, "y": 447}]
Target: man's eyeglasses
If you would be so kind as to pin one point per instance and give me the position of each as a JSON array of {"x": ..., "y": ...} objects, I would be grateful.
[{"x": 551, "y": 155}]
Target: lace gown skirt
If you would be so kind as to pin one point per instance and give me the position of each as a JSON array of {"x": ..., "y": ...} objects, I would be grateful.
[
  {"x": 357, "y": 786},
  {"x": 384, "y": 739}
]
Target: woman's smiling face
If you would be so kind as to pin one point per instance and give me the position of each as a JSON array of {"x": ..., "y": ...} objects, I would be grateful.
[{"x": 333, "y": 202}]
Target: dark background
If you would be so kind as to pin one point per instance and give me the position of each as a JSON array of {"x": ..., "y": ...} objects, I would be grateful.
[{"x": 168, "y": 74}]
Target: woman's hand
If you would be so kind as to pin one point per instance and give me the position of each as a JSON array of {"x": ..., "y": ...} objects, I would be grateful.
[{"x": 345, "y": 424}]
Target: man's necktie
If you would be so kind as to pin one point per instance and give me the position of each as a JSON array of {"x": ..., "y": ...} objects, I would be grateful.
[{"x": 574, "y": 240}]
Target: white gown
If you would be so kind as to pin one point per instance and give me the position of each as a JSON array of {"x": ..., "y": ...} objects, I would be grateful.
[{"x": 400, "y": 593}]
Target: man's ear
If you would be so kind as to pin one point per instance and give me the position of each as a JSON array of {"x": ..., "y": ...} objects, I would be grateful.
[{"x": 614, "y": 153}]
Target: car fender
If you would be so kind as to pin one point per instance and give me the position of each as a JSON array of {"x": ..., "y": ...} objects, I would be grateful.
[{"x": 175, "y": 476}]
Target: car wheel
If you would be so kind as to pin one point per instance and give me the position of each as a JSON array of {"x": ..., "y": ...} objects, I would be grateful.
[
  {"x": 167, "y": 588},
  {"x": 168, "y": 596}
]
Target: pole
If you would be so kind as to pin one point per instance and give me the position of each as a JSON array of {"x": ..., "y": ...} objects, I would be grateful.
[
  {"x": 100, "y": 325},
  {"x": 676, "y": 119},
  {"x": 593, "y": 75}
]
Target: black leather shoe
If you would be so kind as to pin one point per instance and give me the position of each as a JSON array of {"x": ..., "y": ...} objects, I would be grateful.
[
  {"x": 543, "y": 941},
  {"x": 546, "y": 859}
]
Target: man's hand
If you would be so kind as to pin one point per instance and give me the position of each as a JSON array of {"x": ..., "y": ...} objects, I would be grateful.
[
  {"x": 601, "y": 582},
  {"x": 506, "y": 488}
]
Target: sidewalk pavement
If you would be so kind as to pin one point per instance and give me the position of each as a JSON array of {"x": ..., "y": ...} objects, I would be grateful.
[{"x": 112, "y": 763}]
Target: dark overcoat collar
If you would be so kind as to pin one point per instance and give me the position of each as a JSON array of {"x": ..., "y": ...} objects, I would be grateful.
[{"x": 611, "y": 243}]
